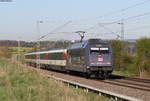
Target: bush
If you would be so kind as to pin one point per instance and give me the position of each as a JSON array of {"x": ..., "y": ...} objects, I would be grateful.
[
  {"x": 129, "y": 63},
  {"x": 116, "y": 52},
  {"x": 143, "y": 54},
  {"x": 123, "y": 61}
]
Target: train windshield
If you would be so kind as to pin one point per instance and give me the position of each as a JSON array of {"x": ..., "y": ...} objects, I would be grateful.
[
  {"x": 104, "y": 51},
  {"x": 94, "y": 51},
  {"x": 99, "y": 51}
]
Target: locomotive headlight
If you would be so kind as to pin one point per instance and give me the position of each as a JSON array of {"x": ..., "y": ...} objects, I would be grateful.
[
  {"x": 94, "y": 48},
  {"x": 103, "y": 48}
]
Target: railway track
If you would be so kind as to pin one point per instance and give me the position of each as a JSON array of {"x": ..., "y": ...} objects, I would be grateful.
[
  {"x": 134, "y": 83},
  {"x": 139, "y": 80},
  {"x": 129, "y": 78},
  {"x": 128, "y": 84}
]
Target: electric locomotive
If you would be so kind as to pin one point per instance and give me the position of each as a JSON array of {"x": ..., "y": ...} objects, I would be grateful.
[{"x": 90, "y": 57}]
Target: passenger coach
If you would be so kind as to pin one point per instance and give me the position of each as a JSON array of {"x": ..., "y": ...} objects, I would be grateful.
[{"x": 55, "y": 59}]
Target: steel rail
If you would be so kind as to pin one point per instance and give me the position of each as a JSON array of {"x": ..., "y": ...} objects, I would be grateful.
[
  {"x": 138, "y": 80},
  {"x": 142, "y": 84},
  {"x": 125, "y": 85},
  {"x": 134, "y": 79}
]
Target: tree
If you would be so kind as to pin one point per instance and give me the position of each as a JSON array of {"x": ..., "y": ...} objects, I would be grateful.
[
  {"x": 143, "y": 54},
  {"x": 117, "y": 46}
]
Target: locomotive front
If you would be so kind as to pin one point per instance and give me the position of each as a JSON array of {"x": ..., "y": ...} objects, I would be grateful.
[{"x": 100, "y": 58}]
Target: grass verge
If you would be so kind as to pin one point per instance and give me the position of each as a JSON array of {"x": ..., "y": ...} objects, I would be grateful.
[
  {"x": 23, "y": 84},
  {"x": 125, "y": 73}
]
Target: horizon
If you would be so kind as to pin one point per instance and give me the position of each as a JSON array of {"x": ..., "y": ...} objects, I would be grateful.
[{"x": 68, "y": 40}]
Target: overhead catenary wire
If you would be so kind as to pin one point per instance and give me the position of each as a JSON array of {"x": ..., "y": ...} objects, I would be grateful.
[
  {"x": 137, "y": 20},
  {"x": 107, "y": 14},
  {"x": 117, "y": 21},
  {"x": 117, "y": 11},
  {"x": 138, "y": 28},
  {"x": 112, "y": 32},
  {"x": 127, "y": 18},
  {"x": 114, "y": 22},
  {"x": 136, "y": 16},
  {"x": 132, "y": 29},
  {"x": 57, "y": 28}
]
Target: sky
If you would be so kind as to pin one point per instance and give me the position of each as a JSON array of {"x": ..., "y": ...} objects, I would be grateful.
[{"x": 62, "y": 18}]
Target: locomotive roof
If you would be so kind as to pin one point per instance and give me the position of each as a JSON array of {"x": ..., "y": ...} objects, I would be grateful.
[
  {"x": 84, "y": 43},
  {"x": 100, "y": 41},
  {"x": 78, "y": 45},
  {"x": 50, "y": 51}
]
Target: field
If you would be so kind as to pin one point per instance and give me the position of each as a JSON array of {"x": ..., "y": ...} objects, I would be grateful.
[
  {"x": 16, "y": 50},
  {"x": 18, "y": 83}
]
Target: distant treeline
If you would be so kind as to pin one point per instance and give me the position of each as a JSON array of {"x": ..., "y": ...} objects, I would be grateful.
[
  {"x": 43, "y": 44},
  {"x": 14, "y": 43},
  {"x": 47, "y": 45}
]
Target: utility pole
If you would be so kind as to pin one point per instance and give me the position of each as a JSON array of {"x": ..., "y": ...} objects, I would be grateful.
[
  {"x": 18, "y": 46},
  {"x": 38, "y": 22},
  {"x": 122, "y": 30},
  {"x": 38, "y": 42},
  {"x": 18, "y": 56},
  {"x": 122, "y": 39}
]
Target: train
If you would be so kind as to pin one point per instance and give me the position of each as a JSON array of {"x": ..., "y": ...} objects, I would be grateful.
[{"x": 90, "y": 57}]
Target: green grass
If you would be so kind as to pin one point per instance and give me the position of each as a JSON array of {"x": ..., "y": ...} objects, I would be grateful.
[
  {"x": 18, "y": 83},
  {"x": 125, "y": 73},
  {"x": 131, "y": 74}
]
